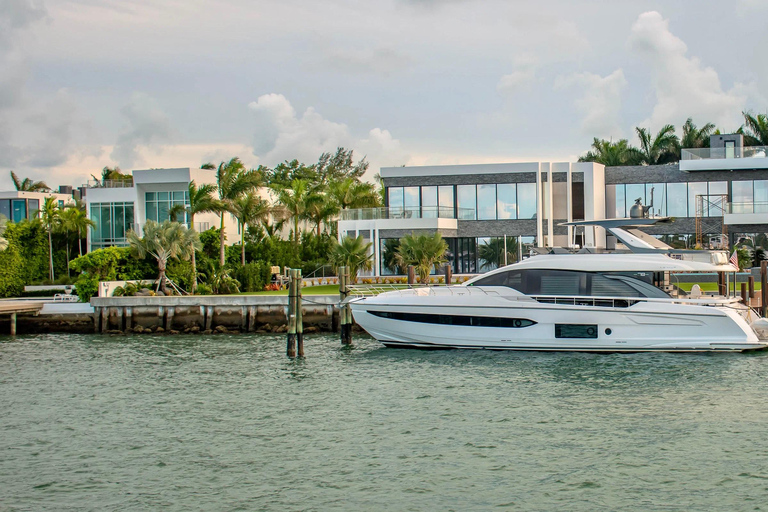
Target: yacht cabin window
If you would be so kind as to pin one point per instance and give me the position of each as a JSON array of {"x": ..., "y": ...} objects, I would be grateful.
[{"x": 572, "y": 283}]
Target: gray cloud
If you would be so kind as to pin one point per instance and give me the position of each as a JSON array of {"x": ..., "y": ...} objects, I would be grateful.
[
  {"x": 146, "y": 125},
  {"x": 16, "y": 15}
]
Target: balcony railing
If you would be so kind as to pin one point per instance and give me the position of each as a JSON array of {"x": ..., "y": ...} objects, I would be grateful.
[
  {"x": 109, "y": 184},
  {"x": 747, "y": 208},
  {"x": 425, "y": 212},
  {"x": 723, "y": 153}
]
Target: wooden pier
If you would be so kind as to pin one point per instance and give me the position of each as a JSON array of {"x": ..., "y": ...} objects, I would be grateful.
[{"x": 14, "y": 307}]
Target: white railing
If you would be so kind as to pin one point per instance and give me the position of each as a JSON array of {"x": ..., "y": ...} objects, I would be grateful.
[
  {"x": 128, "y": 183},
  {"x": 415, "y": 212},
  {"x": 751, "y": 207},
  {"x": 722, "y": 153}
]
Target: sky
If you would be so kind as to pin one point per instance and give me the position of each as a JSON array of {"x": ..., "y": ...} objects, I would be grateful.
[{"x": 176, "y": 83}]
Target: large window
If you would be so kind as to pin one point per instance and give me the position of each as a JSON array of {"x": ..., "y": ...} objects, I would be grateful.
[
  {"x": 677, "y": 199},
  {"x": 412, "y": 201},
  {"x": 506, "y": 201},
  {"x": 5, "y": 208},
  {"x": 112, "y": 220},
  {"x": 159, "y": 205},
  {"x": 467, "y": 196},
  {"x": 486, "y": 202},
  {"x": 695, "y": 189},
  {"x": 429, "y": 202},
  {"x": 395, "y": 199},
  {"x": 18, "y": 210},
  {"x": 526, "y": 200},
  {"x": 445, "y": 193}
]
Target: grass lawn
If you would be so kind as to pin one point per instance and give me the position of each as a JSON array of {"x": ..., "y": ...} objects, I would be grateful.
[
  {"x": 711, "y": 287},
  {"x": 325, "y": 289}
]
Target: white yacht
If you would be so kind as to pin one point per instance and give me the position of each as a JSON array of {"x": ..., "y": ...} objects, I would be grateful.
[{"x": 576, "y": 302}]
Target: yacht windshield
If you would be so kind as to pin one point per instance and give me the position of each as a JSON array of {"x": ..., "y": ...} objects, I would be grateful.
[{"x": 572, "y": 283}]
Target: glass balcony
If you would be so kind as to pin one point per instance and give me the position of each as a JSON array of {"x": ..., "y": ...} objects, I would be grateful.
[
  {"x": 109, "y": 184},
  {"x": 750, "y": 207},
  {"x": 425, "y": 212},
  {"x": 723, "y": 153}
]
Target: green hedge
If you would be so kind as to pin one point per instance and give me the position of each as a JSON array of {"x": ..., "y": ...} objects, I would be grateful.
[{"x": 11, "y": 272}]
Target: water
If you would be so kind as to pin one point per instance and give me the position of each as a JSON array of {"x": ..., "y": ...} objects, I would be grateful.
[{"x": 228, "y": 423}]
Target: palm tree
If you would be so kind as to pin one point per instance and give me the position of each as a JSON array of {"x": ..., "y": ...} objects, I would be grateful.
[
  {"x": 68, "y": 217},
  {"x": 201, "y": 200},
  {"x": 80, "y": 224},
  {"x": 50, "y": 216},
  {"x": 351, "y": 193},
  {"x": 352, "y": 253},
  {"x": 248, "y": 209},
  {"x": 294, "y": 201},
  {"x": 164, "y": 241},
  {"x": 612, "y": 154},
  {"x": 28, "y": 185},
  {"x": 694, "y": 137},
  {"x": 423, "y": 252},
  {"x": 661, "y": 149},
  {"x": 756, "y": 132},
  {"x": 320, "y": 208},
  {"x": 232, "y": 181}
]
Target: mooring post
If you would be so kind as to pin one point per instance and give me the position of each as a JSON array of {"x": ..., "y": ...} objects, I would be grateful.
[
  {"x": 764, "y": 288},
  {"x": 345, "y": 318},
  {"x": 13, "y": 324},
  {"x": 751, "y": 283},
  {"x": 291, "y": 341},
  {"x": 744, "y": 297},
  {"x": 721, "y": 284},
  {"x": 411, "y": 275},
  {"x": 448, "y": 275},
  {"x": 299, "y": 316}
]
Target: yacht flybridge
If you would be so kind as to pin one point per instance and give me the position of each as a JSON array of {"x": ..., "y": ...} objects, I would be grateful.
[{"x": 577, "y": 302}]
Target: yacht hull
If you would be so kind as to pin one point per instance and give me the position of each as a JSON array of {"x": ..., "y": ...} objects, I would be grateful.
[{"x": 490, "y": 322}]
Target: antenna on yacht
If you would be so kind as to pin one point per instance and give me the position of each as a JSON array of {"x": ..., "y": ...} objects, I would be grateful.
[{"x": 638, "y": 211}]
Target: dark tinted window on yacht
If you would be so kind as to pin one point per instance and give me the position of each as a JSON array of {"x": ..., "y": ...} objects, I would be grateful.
[
  {"x": 477, "y": 321},
  {"x": 571, "y": 283}
]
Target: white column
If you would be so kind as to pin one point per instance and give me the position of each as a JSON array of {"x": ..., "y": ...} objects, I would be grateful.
[
  {"x": 569, "y": 201},
  {"x": 539, "y": 209},
  {"x": 376, "y": 247},
  {"x": 550, "y": 208}
]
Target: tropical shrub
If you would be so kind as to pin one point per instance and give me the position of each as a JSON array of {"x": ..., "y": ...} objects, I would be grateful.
[
  {"x": 254, "y": 276},
  {"x": 423, "y": 252},
  {"x": 352, "y": 253},
  {"x": 11, "y": 272}
]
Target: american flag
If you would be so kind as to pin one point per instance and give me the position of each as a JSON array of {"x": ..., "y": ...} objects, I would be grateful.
[{"x": 734, "y": 259}]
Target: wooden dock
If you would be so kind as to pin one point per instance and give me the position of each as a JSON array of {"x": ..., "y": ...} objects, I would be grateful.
[{"x": 14, "y": 307}]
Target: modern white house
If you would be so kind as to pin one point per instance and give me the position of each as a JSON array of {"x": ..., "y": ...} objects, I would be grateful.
[
  {"x": 717, "y": 192},
  {"x": 117, "y": 206},
  {"x": 16, "y": 205}
]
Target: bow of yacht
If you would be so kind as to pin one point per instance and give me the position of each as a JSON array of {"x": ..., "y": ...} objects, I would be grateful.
[{"x": 581, "y": 302}]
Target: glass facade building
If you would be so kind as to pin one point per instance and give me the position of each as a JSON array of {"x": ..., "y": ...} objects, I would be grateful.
[{"x": 113, "y": 220}]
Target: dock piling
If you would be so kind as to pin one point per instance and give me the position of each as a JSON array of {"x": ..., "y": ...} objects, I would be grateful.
[
  {"x": 411, "y": 275},
  {"x": 13, "y": 324},
  {"x": 751, "y": 283},
  {"x": 345, "y": 313},
  {"x": 744, "y": 297},
  {"x": 764, "y": 287},
  {"x": 299, "y": 315},
  {"x": 448, "y": 275},
  {"x": 291, "y": 338}
]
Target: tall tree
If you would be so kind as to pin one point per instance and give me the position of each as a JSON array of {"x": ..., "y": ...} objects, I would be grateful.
[
  {"x": 169, "y": 240},
  {"x": 694, "y": 137},
  {"x": 208, "y": 166},
  {"x": 423, "y": 252},
  {"x": 28, "y": 185},
  {"x": 756, "y": 130},
  {"x": 339, "y": 166},
  {"x": 351, "y": 193},
  {"x": 284, "y": 173},
  {"x": 113, "y": 174},
  {"x": 248, "y": 209},
  {"x": 3, "y": 241},
  {"x": 661, "y": 149},
  {"x": 50, "y": 216},
  {"x": 294, "y": 202},
  {"x": 80, "y": 224},
  {"x": 233, "y": 181},
  {"x": 201, "y": 200},
  {"x": 68, "y": 224},
  {"x": 612, "y": 154}
]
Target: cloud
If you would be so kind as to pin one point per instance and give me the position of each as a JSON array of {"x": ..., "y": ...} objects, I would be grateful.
[
  {"x": 381, "y": 60},
  {"x": 147, "y": 125},
  {"x": 600, "y": 103},
  {"x": 517, "y": 80},
  {"x": 683, "y": 85},
  {"x": 17, "y": 15},
  {"x": 280, "y": 134}
]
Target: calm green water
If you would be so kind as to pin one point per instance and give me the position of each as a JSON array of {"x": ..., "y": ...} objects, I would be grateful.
[{"x": 228, "y": 423}]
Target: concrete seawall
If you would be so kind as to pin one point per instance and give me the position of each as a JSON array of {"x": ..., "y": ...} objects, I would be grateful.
[{"x": 209, "y": 313}]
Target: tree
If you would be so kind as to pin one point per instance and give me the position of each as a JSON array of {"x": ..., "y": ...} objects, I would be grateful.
[
  {"x": 248, "y": 209},
  {"x": 284, "y": 173},
  {"x": 389, "y": 255},
  {"x": 294, "y": 201},
  {"x": 612, "y": 154},
  {"x": 201, "y": 200},
  {"x": 756, "y": 131},
  {"x": 169, "y": 240},
  {"x": 208, "y": 166},
  {"x": 694, "y": 137},
  {"x": 661, "y": 149},
  {"x": 112, "y": 174},
  {"x": 352, "y": 253},
  {"x": 320, "y": 208},
  {"x": 68, "y": 223},
  {"x": 80, "y": 223},
  {"x": 351, "y": 193},
  {"x": 232, "y": 181},
  {"x": 339, "y": 166},
  {"x": 50, "y": 216},
  {"x": 423, "y": 252},
  {"x": 28, "y": 185}
]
